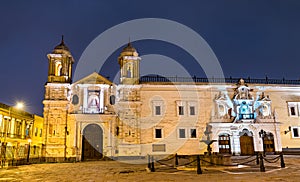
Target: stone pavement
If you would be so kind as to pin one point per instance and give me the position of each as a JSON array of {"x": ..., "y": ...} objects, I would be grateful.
[{"x": 120, "y": 171}]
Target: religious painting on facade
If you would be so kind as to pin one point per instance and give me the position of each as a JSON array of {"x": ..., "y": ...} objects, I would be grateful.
[{"x": 94, "y": 101}]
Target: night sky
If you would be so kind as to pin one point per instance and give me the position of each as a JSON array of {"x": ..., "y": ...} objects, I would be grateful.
[{"x": 250, "y": 38}]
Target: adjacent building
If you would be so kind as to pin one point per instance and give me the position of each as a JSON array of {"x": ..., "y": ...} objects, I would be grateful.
[
  {"x": 94, "y": 118},
  {"x": 21, "y": 135}
]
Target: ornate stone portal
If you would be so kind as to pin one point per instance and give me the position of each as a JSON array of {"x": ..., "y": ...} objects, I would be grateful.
[{"x": 248, "y": 116}]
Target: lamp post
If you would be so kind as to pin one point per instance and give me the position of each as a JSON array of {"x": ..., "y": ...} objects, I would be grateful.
[
  {"x": 28, "y": 152},
  {"x": 262, "y": 135}
]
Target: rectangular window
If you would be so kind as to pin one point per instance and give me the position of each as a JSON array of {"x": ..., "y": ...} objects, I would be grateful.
[
  {"x": 41, "y": 132},
  {"x": 295, "y": 132},
  {"x": 157, "y": 110},
  {"x": 158, "y": 147},
  {"x": 293, "y": 108},
  {"x": 158, "y": 133},
  {"x": 293, "y": 113},
  {"x": 180, "y": 110},
  {"x": 182, "y": 133},
  {"x": 193, "y": 133},
  {"x": 8, "y": 126},
  {"x": 36, "y": 132},
  {"x": 157, "y": 107},
  {"x": 19, "y": 127},
  {"x": 192, "y": 110}
]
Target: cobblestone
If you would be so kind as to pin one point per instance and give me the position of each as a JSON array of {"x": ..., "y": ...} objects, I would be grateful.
[{"x": 114, "y": 171}]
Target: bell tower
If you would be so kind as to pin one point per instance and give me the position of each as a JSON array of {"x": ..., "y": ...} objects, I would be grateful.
[
  {"x": 60, "y": 64},
  {"x": 129, "y": 65},
  {"x": 56, "y": 103}
]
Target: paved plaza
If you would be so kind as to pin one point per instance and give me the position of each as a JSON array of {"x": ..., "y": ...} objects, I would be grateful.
[{"x": 121, "y": 171}]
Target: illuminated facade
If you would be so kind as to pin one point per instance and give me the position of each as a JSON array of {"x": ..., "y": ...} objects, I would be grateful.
[
  {"x": 94, "y": 118},
  {"x": 18, "y": 131}
]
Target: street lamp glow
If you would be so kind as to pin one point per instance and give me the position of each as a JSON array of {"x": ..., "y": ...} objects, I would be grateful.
[{"x": 20, "y": 105}]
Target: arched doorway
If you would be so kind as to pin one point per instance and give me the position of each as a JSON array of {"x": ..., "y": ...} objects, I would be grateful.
[
  {"x": 224, "y": 144},
  {"x": 92, "y": 142},
  {"x": 246, "y": 143},
  {"x": 269, "y": 146}
]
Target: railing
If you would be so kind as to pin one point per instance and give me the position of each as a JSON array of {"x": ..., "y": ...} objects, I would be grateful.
[
  {"x": 195, "y": 79},
  {"x": 93, "y": 110}
]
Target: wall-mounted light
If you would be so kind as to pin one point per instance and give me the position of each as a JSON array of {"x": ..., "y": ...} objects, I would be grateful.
[
  {"x": 290, "y": 128},
  {"x": 262, "y": 133}
]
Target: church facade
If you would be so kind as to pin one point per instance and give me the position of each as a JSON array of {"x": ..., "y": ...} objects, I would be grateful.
[{"x": 94, "y": 118}]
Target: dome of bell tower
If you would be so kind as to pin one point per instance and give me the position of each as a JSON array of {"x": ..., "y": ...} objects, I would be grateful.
[
  {"x": 61, "y": 48},
  {"x": 129, "y": 50}
]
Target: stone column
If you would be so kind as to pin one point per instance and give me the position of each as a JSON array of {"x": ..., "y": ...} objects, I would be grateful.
[
  {"x": 23, "y": 129},
  {"x": 236, "y": 148},
  {"x": 12, "y": 127},
  {"x": 85, "y": 99},
  {"x": 101, "y": 100}
]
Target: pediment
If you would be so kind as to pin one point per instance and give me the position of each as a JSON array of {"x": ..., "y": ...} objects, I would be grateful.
[
  {"x": 94, "y": 78},
  {"x": 264, "y": 98}
]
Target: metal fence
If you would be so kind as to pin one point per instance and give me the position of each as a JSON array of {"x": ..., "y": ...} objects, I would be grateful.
[{"x": 13, "y": 156}]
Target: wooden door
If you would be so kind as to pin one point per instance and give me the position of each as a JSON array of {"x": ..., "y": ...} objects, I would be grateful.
[
  {"x": 246, "y": 144},
  {"x": 269, "y": 146},
  {"x": 92, "y": 143}
]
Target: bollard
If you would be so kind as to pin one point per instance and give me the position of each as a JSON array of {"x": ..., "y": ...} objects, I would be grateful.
[
  {"x": 282, "y": 161},
  {"x": 152, "y": 164},
  {"x": 176, "y": 160},
  {"x": 257, "y": 159},
  {"x": 149, "y": 164},
  {"x": 199, "y": 171},
  {"x": 262, "y": 167}
]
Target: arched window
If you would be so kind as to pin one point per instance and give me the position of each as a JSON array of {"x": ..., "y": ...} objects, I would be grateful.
[
  {"x": 112, "y": 99},
  {"x": 128, "y": 73},
  {"x": 129, "y": 70},
  {"x": 75, "y": 99},
  {"x": 58, "y": 69}
]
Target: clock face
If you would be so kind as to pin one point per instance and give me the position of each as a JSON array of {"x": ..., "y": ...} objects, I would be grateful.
[{"x": 75, "y": 99}]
